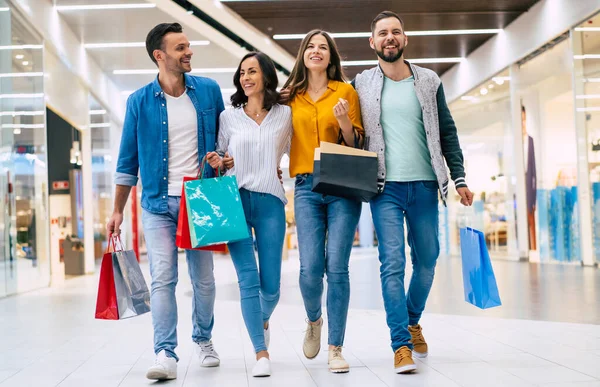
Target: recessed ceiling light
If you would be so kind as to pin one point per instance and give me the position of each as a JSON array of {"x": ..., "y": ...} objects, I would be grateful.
[
  {"x": 95, "y": 7},
  {"x": 500, "y": 80},
  {"x": 588, "y": 29},
  {"x": 137, "y": 44},
  {"x": 589, "y": 109},
  {"x": 589, "y": 96},
  {"x": 23, "y": 47},
  {"x": 21, "y": 96},
  {"x": 97, "y": 112},
  {"x": 587, "y": 56},
  {"x": 21, "y": 75},
  {"x": 25, "y": 63},
  {"x": 483, "y": 91},
  {"x": 4, "y": 9},
  {"x": 374, "y": 62},
  {"x": 195, "y": 71},
  {"x": 23, "y": 113},
  {"x": 20, "y": 56},
  {"x": 23, "y": 126},
  {"x": 491, "y": 86},
  {"x": 342, "y": 35},
  {"x": 17, "y": 131}
]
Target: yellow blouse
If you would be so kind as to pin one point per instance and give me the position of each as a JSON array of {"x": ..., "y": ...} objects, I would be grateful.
[{"x": 315, "y": 122}]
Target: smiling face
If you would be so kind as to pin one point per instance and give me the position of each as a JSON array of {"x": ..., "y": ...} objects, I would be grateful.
[
  {"x": 388, "y": 39},
  {"x": 175, "y": 54},
  {"x": 251, "y": 77},
  {"x": 317, "y": 54}
]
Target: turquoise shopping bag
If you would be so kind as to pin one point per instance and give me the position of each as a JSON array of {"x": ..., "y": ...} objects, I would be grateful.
[
  {"x": 479, "y": 280},
  {"x": 214, "y": 209}
]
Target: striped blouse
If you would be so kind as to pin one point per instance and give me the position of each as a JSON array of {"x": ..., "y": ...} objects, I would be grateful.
[{"x": 256, "y": 149}]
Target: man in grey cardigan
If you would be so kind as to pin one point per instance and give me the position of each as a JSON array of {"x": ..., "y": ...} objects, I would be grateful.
[{"x": 409, "y": 126}]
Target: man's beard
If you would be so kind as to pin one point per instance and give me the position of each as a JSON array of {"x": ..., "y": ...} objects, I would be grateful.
[
  {"x": 392, "y": 57},
  {"x": 175, "y": 65}
]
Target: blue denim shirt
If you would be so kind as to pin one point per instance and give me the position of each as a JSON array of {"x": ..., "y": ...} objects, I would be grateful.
[{"x": 145, "y": 138}]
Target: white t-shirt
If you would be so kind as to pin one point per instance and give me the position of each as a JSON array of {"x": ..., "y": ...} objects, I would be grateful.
[{"x": 183, "y": 141}]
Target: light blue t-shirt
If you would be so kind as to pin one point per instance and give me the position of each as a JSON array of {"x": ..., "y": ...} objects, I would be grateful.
[{"x": 407, "y": 157}]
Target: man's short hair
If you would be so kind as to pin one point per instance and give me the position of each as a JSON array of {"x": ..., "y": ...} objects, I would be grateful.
[
  {"x": 386, "y": 15},
  {"x": 154, "y": 40}
]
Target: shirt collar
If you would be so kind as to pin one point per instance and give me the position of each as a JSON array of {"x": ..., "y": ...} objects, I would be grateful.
[{"x": 158, "y": 90}]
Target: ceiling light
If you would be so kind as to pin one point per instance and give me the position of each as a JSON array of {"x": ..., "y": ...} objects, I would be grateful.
[
  {"x": 22, "y": 113},
  {"x": 587, "y": 56},
  {"x": 137, "y": 44},
  {"x": 23, "y": 47},
  {"x": 468, "y": 98},
  {"x": 491, "y": 86},
  {"x": 17, "y": 131},
  {"x": 483, "y": 91},
  {"x": 589, "y": 96},
  {"x": 4, "y": 9},
  {"x": 24, "y": 126},
  {"x": 594, "y": 80},
  {"x": 90, "y": 7},
  {"x": 374, "y": 62},
  {"x": 500, "y": 80},
  {"x": 20, "y": 56},
  {"x": 342, "y": 35},
  {"x": 194, "y": 71},
  {"x": 25, "y": 63},
  {"x": 97, "y": 112},
  {"x": 190, "y": 12},
  {"x": 589, "y": 109},
  {"x": 20, "y": 96},
  {"x": 588, "y": 29},
  {"x": 105, "y": 125},
  {"x": 21, "y": 75}
]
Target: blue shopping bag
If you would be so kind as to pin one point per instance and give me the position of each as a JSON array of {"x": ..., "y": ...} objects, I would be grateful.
[
  {"x": 479, "y": 281},
  {"x": 215, "y": 212}
]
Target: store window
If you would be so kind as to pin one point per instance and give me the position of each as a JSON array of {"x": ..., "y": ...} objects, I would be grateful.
[
  {"x": 24, "y": 264},
  {"x": 586, "y": 61},
  {"x": 102, "y": 172},
  {"x": 544, "y": 87},
  {"x": 483, "y": 120}
]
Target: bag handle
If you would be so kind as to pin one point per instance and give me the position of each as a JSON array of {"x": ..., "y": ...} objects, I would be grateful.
[
  {"x": 202, "y": 166},
  {"x": 465, "y": 217},
  {"x": 112, "y": 241}
]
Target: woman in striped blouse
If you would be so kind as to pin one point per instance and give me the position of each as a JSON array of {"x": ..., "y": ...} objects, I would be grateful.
[{"x": 256, "y": 133}]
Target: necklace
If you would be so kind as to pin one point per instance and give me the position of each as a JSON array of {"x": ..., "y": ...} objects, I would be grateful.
[
  {"x": 255, "y": 114},
  {"x": 317, "y": 90}
]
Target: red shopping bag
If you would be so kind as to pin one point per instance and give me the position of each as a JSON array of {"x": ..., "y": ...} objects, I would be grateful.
[
  {"x": 182, "y": 237},
  {"x": 106, "y": 303}
]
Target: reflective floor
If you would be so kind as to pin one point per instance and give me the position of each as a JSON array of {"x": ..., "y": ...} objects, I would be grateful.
[{"x": 543, "y": 335}]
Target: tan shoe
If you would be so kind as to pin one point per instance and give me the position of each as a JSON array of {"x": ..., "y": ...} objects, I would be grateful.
[
  {"x": 312, "y": 339},
  {"x": 418, "y": 341},
  {"x": 403, "y": 362},
  {"x": 337, "y": 363}
]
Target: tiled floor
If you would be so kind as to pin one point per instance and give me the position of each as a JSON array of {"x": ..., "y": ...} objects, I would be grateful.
[{"x": 49, "y": 337}]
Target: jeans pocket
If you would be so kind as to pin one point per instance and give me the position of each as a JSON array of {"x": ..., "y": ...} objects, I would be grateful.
[
  {"x": 430, "y": 185},
  {"x": 300, "y": 179}
]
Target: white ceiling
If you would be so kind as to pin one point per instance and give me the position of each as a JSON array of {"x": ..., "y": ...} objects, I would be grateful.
[{"x": 132, "y": 25}]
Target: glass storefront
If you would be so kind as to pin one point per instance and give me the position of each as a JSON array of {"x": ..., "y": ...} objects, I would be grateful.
[
  {"x": 483, "y": 118},
  {"x": 586, "y": 50},
  {"x": 24, "y": 261}
]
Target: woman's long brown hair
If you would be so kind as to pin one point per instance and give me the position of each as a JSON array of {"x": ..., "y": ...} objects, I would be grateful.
[{"x": 298, "y": 80}]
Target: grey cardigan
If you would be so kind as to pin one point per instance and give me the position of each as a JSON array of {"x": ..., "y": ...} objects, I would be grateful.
[{"x": 442, "y": 138}]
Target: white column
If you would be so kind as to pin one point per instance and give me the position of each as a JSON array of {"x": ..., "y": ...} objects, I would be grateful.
[
  {"x": 521, "y": 194},
  {"x": 88, "y": 201}
]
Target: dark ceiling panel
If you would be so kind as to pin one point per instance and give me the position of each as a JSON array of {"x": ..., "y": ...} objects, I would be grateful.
[{"x": 300, "y": 16}]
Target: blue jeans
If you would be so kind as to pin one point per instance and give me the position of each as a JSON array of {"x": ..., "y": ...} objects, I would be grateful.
[
  {"x": 417, "y": 202},
  {"x": 259, "y": 291},
  {"x": 326, "y": 226},
  {"x": 159, "y": 231}
]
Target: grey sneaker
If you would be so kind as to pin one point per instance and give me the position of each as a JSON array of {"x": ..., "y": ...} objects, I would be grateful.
[
  {"x": 312, "y": 339},
  {"x": 207, "y": 354}
]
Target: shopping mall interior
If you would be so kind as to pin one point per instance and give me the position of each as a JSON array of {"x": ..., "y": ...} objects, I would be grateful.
[{"x": 522, "y": 82}]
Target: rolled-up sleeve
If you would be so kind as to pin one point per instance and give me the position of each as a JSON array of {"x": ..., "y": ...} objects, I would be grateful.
[
  {"x": 354, "y": 112},
  {"x": 128, "y": 163}
]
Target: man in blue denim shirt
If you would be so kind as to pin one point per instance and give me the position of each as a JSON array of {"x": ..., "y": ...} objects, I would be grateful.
[{"x": 164, "y": 150}]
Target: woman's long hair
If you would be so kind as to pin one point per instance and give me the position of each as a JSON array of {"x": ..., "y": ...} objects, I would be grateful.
[
  {"x": 298, "y": 80},
  {"x": 270, "y": 81}
]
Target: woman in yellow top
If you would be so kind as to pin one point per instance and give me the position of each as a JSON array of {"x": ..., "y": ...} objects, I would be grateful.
[{"x": 324, "y": 108}]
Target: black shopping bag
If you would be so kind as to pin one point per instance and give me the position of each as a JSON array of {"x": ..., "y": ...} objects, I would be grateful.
[{"x": 345, "y": 172}]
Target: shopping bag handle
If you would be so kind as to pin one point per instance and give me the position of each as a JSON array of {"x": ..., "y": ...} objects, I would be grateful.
[
  {"x": 467, "y": 215},
  {"x": 202, "y": 166},
  {"x": 112, "y": 241}
]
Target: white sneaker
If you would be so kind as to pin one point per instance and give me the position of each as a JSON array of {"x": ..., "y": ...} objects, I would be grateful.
[
  {"x": 207, "y": 354},
  {"x": 267, "y": 333},
  {"x": 262, "y": 368},
  {"x": 164, "y": 367}
]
